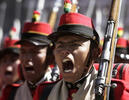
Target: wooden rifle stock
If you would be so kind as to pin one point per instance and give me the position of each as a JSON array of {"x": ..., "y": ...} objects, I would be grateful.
[
  {"x": 103, "y": 81},
  {"x": 53, "y": 15},
  {"x": 52, "y": 19}
]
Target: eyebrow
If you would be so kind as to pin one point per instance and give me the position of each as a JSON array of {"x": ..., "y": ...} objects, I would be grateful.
[{"x": 60, "y": 42}]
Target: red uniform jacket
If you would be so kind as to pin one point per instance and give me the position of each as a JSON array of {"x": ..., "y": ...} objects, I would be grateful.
[{"x": 121, "y": 92}]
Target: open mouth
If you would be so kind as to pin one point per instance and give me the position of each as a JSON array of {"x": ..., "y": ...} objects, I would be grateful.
[
  {"x": 67, "y": 65},
  {"x": 29, "y": 68}
]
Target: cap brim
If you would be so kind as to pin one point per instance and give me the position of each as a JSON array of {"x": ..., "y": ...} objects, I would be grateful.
[
  {"x": 54, "y": 36},
  {"x": 34, "y": 39},
  {"x": 73, "y": 30},
  {"x": 37, "y": 43}
]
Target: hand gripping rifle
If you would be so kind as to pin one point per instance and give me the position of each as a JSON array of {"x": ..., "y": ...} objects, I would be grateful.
[{"x": 103, "y": 81}]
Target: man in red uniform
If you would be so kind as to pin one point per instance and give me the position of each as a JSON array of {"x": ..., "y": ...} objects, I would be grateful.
[
  {"x": 9, "y": 58},
  {"x": 9, "y": 64},
  {"x": 76, "y": 49},
  {"x": 75, "y": 52},
  {"x": 36, "y": 56}
]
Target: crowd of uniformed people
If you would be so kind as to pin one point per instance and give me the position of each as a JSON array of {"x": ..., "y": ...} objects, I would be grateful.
[{"x": 59, "y": 65}]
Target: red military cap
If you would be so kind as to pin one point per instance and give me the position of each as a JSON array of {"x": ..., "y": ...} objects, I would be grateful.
[
  {"x": 121, "y": 43},
  {"x": 36, "y": 32},
  {"x": 11, "y": 39},
  {"x": 75, "y": 24},
  {"x": 121, "y": 48},
  {"x": 10, "y": 43},
  {"x": 120, "y": 31},
  {"x": 10, "y": 47}
]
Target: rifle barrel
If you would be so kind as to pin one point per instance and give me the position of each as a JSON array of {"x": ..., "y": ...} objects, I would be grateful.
[
  {"x": 103, "y": 81},
  {"x": 114, "y": 15}
]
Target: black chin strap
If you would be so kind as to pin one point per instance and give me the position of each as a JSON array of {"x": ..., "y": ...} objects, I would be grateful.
[
  {"x": 82, "y": 78},
  {"x": 88, "y": 73}
]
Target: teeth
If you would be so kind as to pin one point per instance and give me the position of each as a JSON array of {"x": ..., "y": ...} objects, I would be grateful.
[
  {"x": 68, "y": 70},
  {"x": 66, "y": 60}
]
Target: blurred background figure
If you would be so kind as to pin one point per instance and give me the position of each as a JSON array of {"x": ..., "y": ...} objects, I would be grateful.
[
  {"x": 36, "y": 55},
  {"x": 10, "y": 66},
  {"x": 9, "y": 70},
  {"x": 121, "y": 55},
  {"x": 11, "y": 38}
]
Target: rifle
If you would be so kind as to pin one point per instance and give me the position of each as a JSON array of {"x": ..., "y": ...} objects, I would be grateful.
[
  {"x": 52, "y": 19},
  {"x": 103, "y": 81}
]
